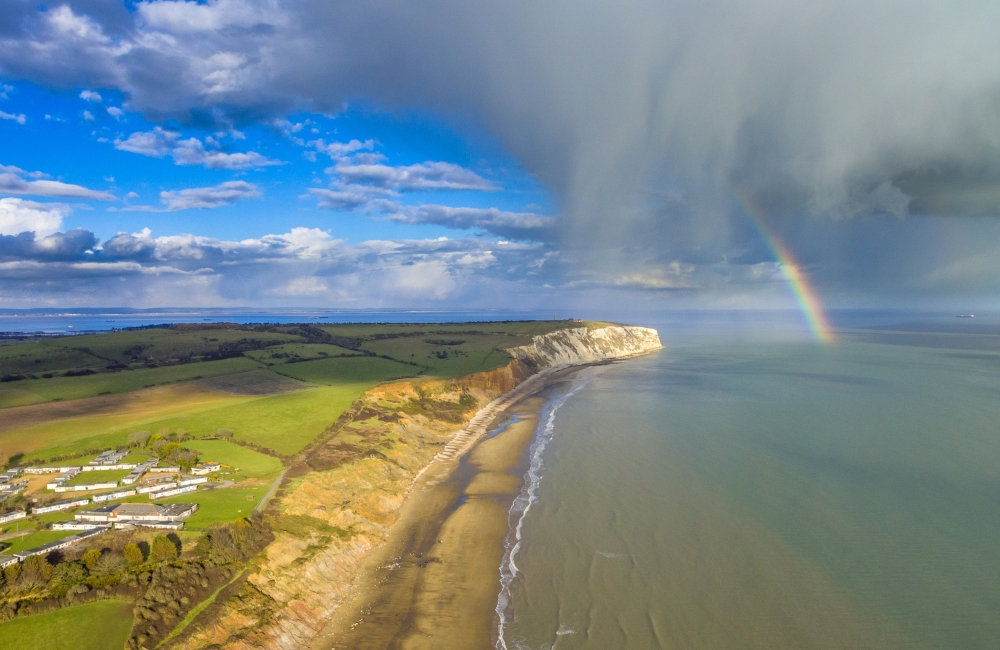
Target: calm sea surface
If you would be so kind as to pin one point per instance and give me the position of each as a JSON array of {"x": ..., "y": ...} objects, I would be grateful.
[{"x": 754, "y": 492}]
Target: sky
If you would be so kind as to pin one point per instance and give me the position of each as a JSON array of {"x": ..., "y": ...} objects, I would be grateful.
[{"x": 445, "y": 154}]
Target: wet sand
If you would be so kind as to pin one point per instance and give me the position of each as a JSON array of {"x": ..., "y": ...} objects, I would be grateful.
[{"x": 435, "y": 581}]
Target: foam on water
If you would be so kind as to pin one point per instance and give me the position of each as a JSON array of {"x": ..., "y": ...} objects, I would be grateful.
[{"x": 522, "y": 504}]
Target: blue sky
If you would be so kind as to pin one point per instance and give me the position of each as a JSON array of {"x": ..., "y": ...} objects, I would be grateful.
[
  {"x": 71, "y": 137},
  {"x": 570, "y": 153}
]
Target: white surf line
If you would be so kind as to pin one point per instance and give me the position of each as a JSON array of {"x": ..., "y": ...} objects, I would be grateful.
[{"x": 520, "y": 507}]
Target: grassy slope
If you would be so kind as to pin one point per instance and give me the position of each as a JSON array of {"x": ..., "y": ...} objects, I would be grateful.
[
  {"x": 23, "y": 543},
  {"x": 250, "y": 463},
  {"x": 345, "y": 371},
  {"x": 101, "y": 625}
]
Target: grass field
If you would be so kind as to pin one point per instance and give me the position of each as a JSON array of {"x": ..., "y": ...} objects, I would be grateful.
[
  {"x": 281, "y": 353},
  {"x": 251, "y": 464},
  {"x": 98, "y": 476},
  {"x": 348, "y": 370},
  {"x": 285, "y": 423},
  {"x": 37, "y": 391},
  {"x": 101, "y": 625}
]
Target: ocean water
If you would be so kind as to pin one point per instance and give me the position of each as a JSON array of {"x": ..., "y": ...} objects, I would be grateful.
[{"x": 750, "y": 490}]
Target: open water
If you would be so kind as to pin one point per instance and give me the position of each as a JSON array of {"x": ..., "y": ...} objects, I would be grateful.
[{"x": 749, "y": 488}]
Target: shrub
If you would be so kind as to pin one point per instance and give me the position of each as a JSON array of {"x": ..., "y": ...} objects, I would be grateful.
[
  {"x": 163, "y": 549},
  {"x": 133, "y": 555},
  {"x": 109, "y": 564},
  {"x": 12, "y": 572},
  {"x": 35, "y": 572},
  {"x": 90, "y": 558},
  {"x": 224, "y": 434}
]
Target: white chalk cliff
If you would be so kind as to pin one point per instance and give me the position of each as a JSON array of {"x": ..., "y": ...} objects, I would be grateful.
[{"x": 583, "y": 345}]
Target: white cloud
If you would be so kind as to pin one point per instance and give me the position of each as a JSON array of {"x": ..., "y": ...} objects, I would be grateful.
[
  {"x": 338, "y": 150},
  {"x": 19, "y": 117},
  {"x": 208, "y": 197},
  {"x": 18, "y": 215},
  {"x": 160, "y": 142},
  {"x": 305, "y": 286},
  {"x": 12, "y": 181},
  {"x": 5, "y": 91},
  {"x": 90, "y": 96},
  {"x": 348, "y": 199},
  {"x": 88, "y": 116},
  {"x": 115, "y": 112}
]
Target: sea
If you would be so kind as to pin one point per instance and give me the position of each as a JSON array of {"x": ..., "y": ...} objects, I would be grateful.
[{"x": 750, "y": 487}]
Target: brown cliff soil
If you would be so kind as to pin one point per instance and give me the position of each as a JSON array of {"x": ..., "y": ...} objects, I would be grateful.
[{"x": 336, "y": 505}]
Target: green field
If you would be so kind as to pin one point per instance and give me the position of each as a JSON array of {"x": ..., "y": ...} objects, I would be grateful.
[
  {"x": 285, "y": 423},
  {"x": 98, "y": 476},
  {"x": 101, "y": 625},
  {"x": 282, "y": 353},
  {"x": 37, "y": 391},
  {"x": 251, "y": 464},
  {"x": 349, "y": 370}
]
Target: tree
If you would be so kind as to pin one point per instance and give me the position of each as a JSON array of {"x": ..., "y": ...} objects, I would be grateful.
[
  {"x": 139, "y": 439},
  {"x": 133, "y": 555},
  {"x": 224, "y": 434},
  {"x": 35, "y": 571},
  {"x": 110, "y": 564},
  {"x": 12, "y": 572},
  {"x": 162, "y": 549},
  {"x": 90, "y": 558}
]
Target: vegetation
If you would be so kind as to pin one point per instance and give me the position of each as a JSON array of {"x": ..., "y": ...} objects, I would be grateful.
[{"x": 93, "y": 626}]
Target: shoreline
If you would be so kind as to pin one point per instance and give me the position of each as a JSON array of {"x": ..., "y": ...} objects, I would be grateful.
[{"x": 435, "y": 580}]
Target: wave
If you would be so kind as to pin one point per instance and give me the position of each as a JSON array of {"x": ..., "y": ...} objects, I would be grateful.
[{"x": 522, "y": 504}]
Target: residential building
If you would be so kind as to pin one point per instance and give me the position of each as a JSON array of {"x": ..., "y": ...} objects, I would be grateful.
[
  {"x": 205, "y": 468},
  {"x": 62, "y": 505}
]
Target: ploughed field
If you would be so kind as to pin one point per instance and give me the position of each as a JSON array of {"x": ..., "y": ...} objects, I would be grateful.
[{"x": 255, "y": 398}]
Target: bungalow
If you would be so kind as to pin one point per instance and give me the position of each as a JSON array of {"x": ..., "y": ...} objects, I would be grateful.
[
  {"x": 205, "y": 468},
  {"x": 104, "y": 468},
  {"x": 174, "y": 492},
  {"x": 171, "y": 469},
  {"x": 192, "y": 481},
  {"x": 113, "y": 495},
  {"x": 11, "y": 516},
  {"x": 51, "y": 469},
  {"x": 157, "y": 487},
  {"x": 137, "y": 473},
  {"x": 76, "y": 525},
  {"x": 86, "y": 487},
  {"x": 109, "y": 457},
  {"x": 62, "y": 505}
]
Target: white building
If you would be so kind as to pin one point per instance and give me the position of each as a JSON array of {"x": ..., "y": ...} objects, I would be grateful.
[
  {"x": 157, "y": 487},
  {"x": 192, "y": 481},
  {"x": 174, "y": 492},
  {"x": 62, "y": 505},
  {"x": 113, "y": 495},
  {"x": 136, "y": 512},
  {"x": 11, "y": 516},
  {"x": 205, "y": 468}
]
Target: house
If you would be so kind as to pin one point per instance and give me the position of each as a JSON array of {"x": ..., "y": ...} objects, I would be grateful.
[
  {"x": 62, "y": 505},
  {"x": 113, "y": 495},
  {"x": 11, "y": 516},
  {"x": 109, "y": 457},
  {"x": 137, "y": 473},
  {"x": 157, "y": 487},
  {"x": 86, "y": 487},
  {"x": 168, "y": 469},
  {"x": 174, "y": 492},
  {"x": 192, "y": 481},
  {"x": 205, "y": 468},
  {"x": 76, "y": 525}
]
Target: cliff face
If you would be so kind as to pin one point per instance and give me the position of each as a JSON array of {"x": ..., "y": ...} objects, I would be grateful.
[
  {"x": 339, "y": 502},
  {"x": 582, "y": 345}
]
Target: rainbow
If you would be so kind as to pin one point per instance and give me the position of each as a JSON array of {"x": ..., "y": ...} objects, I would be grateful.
[{"x": 796, "y": 279}]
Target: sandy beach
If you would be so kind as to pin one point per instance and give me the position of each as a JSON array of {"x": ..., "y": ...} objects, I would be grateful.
[{"x": 435, "y": 581}]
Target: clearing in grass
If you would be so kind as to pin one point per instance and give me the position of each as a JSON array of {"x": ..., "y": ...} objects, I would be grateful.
[{"x": 99, "y": 625}]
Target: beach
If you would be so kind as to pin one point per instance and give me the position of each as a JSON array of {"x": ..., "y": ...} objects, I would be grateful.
[{"x": 434, "y": 582}]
